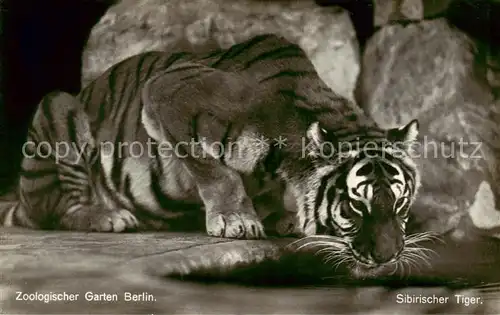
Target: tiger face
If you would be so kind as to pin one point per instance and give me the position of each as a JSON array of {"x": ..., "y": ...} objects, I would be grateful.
[
  {"x": 375, "y": 211},
  {"x": 362, "y": 203}
]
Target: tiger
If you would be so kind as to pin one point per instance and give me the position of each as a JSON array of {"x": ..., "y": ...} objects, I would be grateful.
[{"x": 207, "y": 122}]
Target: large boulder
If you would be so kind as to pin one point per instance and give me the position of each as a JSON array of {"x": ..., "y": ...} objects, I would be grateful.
[
  {"x": 430, "y": 71},
  {"x": 131, "y": 27}
]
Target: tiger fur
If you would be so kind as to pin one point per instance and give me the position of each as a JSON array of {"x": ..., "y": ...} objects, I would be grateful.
[{"x": 264, "y": 88}]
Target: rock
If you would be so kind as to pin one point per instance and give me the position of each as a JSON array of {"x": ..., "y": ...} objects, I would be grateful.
[
  {"x": 132, "y": 27},
  {"x": 428, "y": 71},
  {"x": 386, "y": 10}
]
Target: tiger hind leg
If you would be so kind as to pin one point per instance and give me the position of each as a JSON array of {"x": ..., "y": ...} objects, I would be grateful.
[{"x": 60, "y": 161}]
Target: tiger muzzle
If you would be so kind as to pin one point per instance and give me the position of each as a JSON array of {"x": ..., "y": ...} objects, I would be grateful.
[{"x": 382, "y": 242}]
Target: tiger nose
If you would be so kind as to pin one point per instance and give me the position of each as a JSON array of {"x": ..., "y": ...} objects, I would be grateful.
[
  {"x": 385, "y": 251},
  {"x": 383, "y": 257}
]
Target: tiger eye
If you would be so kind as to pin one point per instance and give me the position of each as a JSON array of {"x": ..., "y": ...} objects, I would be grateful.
[
  {"x": 399, "y": 203},
  {"x": 358, "y": 205},
  {"x": 401, "y": 207},
  {"x": 345, "y": 212}
]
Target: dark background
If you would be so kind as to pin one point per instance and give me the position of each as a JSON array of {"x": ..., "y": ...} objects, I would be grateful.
[
  {"x": 43, "y": 40},
  {"x": 42, "y": 45}
]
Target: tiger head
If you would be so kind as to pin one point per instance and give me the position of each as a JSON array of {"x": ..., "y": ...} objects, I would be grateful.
[{"x": 361, "y": 196}]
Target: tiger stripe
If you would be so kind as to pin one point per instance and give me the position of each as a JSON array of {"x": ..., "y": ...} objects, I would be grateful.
[{"x": 234, "y": 52}]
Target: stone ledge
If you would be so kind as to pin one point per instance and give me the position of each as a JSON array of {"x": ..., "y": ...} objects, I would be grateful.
[{"x": 44, "y": 262}]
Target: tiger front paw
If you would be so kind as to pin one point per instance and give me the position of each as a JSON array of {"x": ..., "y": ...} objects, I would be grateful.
[{"x": 235, "y": 225}]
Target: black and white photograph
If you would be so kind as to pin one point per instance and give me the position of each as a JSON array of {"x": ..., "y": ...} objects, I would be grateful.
[{"x": 250, "y": 157}]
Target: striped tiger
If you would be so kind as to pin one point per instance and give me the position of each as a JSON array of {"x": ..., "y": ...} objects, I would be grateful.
[{"x": 160, "y": 137}]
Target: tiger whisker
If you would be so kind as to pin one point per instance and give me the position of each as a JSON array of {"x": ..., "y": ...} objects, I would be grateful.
[
  {"x": 395, "y": 269},
  {"x": 307, "y": 238},
  {"x": 415, "y": 260},
  {"x": 412, "y": 239},
  {"x": 338, "y": 259},
  {"x": 331, "y": 259},
  {"x": 297, "y": 241},
  {"x": 315, "y": 244},
  {"x": 413, "y": 256},
  {"x": 334, "y": 256},
  {"x": 403, "y": 265},
  {"x": 420, "y": 251},
  {"x": 327, "y": 249},
  {"x": 421, "y": 237},
  {"x": 338, "y": 264},
  {"x": 332, "y": 241},
  {"x": 406, "y": 268},
  {"x": 417, "y": 246},
  {"x": 424, "y": 254},
  {"x": 403, "y": 269},
  {"x": 414, "y": 265},
  {"x": 425, "y": 250},
  {"x": 412, "y": 261},
  {"x": 345, "y": 259},
  {"x": 489, "y": 290},
  {"x": 487, "y": 285},
  {"x": 322, "y": 236}
]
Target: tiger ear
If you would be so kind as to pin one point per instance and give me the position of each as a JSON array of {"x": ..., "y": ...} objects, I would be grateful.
[
  {"x": 317, "y": 141},
  {"x": 316, "y": 134},
  {"x": 405, "y": 134}
]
